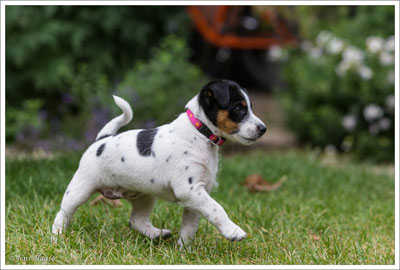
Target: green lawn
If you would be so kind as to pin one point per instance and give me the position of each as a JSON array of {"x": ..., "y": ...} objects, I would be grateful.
[{"x": 342, "y": 214}]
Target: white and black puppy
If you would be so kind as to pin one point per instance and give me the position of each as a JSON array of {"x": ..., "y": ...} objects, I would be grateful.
[{"x": 177, "y": 162}]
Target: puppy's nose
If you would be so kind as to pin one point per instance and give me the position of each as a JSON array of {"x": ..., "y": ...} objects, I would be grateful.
[{"x": 261, "y": 129}]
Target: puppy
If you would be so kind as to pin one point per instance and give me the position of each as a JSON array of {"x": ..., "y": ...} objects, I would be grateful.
[{"x": 177, "y": 162}]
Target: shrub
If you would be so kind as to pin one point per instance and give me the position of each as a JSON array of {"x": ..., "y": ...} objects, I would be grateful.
[
  {"x": 69, "y": 57},
  {"x": 160, "y": 87},
  {"x": 340, "y": 95},
  {"x": 157, "y": 89}
]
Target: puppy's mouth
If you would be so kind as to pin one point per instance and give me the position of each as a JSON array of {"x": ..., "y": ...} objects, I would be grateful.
[{"x": 248, "y": 139}]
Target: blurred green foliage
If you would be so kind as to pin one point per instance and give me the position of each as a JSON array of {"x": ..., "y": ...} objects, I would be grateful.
[
  {"x": 353, "y": 23},
  {"x": 160, "y": 87},
  {"x": 64, "y": 62},
  {"x": 339, "y": 86},
  {"x": 26, "y": 117}
]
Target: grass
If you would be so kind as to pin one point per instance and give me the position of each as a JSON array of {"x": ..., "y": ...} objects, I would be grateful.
[{"x": 342, "y": 214}]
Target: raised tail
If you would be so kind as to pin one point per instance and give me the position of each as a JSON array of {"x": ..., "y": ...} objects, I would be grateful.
[{"x": 112, "y": 127}]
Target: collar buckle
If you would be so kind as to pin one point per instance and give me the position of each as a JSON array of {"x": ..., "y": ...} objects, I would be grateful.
[{"x": 218, "y": 142}]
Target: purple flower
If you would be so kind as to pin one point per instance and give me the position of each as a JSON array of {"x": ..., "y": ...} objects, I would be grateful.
[{"x": 67, "y": 99}]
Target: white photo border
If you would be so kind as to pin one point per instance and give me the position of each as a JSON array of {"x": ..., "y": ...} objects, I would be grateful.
[{"x": 154, "y": 3}]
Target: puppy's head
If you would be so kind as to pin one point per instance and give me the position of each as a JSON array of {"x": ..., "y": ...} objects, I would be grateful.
[{"x": 227, "y": 106}]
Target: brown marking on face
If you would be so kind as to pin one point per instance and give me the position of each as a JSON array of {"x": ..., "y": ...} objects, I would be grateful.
[
  {"x": 210, "y": 94},
  {"x": 224, "y": 123},
  {"x": 244, "y": 103}
]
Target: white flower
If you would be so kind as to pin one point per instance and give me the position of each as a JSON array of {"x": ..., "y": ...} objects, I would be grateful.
[
  {"x": 374, "y": 129},
  {"x": 372, "y": 112},
  {"x": 349, "y": 122},
  {"x": 375, "y": 44},
  {"x": 390, "y": 102},
  {"x": 390, "y": 44},
  {"x": 315, "y": 53},
  {"x": 386, "y": 58},
  {"x": 335, "y": 46},
  {"x": 390, "y": 77},
  {"x": 276, "y": 54},
  {"x": 323, "y": 38},
  {"x": 384, "y": 123},
  {"x": 365, "y": 72},
  {"x": 353, "y": 55},
  {"x": 342, "y": 68}
]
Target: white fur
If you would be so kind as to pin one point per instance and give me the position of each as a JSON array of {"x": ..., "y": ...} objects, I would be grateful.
[
  {"x": 189, "y": 154},
  {"x": 112, "y": 127},
  {"x": 248, "y": 131}
]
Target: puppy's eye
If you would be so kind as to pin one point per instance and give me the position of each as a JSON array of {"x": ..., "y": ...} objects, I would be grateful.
[{"x": 239, "y": 109}]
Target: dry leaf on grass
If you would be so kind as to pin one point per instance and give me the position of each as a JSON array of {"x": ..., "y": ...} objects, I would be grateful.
[
  {"x": 255, "y": 182},
  {"x": 315, "y": 237},
  {"x": 101, "y": 198}
]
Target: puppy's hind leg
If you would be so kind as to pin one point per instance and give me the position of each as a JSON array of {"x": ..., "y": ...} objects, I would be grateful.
[
  {"x": 190, "y": 223},
  {"x": 140, "y": 218},
  {"x": 78, "y": 192}
]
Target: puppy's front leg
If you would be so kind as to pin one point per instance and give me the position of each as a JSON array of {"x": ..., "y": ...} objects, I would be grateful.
[
  {"x": 200, "y": 201},
  {"x": 190, "y": 222}
]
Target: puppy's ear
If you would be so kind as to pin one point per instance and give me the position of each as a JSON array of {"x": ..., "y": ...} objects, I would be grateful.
[{"x": 220, "y": 90}]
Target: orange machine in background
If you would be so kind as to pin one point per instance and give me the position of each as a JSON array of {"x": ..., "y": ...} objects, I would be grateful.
[
  {"x": 233, "y": 41},
  {"x": 219, "y": 25}
]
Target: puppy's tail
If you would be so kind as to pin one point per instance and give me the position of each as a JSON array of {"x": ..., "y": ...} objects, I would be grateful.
[{"x": 112, "y": 127}]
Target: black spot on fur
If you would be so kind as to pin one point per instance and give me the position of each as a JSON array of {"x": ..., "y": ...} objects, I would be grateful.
[
  {"x": 100, "y": 149},
  {"x": 191, "y": 188},
  {"x": 185, "y": 152},
  {"x": 66, "y": 193},
  {"x": 199, "y": 193},
  {"x": 214, "y": 209},
  {"x": 152, "y": 180},
  {"x": 190, "y": 179},
  {"x": 168, "y": 158},
  {"x": 145, "y": 140},
  {"x": 187, "y": 167},
  {"x": 113, "y": 175},
  {"x": 153, "y": 154},
  {"x": 194, "y": 138},
  {"x": 102, "y": 137},
  {"x": 122, "y": 159}
]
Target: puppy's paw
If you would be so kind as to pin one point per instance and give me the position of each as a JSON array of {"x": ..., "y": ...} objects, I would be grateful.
[
  {"x": 182, "y": 245},
  {"x": 159, "y": 234},
  {"x": 184, "y": 242},
  {"x": 149, "y": 230},
  {"x": 235, "y": 234},
  {"x": 165, "y": 234}
]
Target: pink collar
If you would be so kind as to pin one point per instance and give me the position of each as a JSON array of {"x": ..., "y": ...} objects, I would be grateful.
[{"x": 203, "y": 129}]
